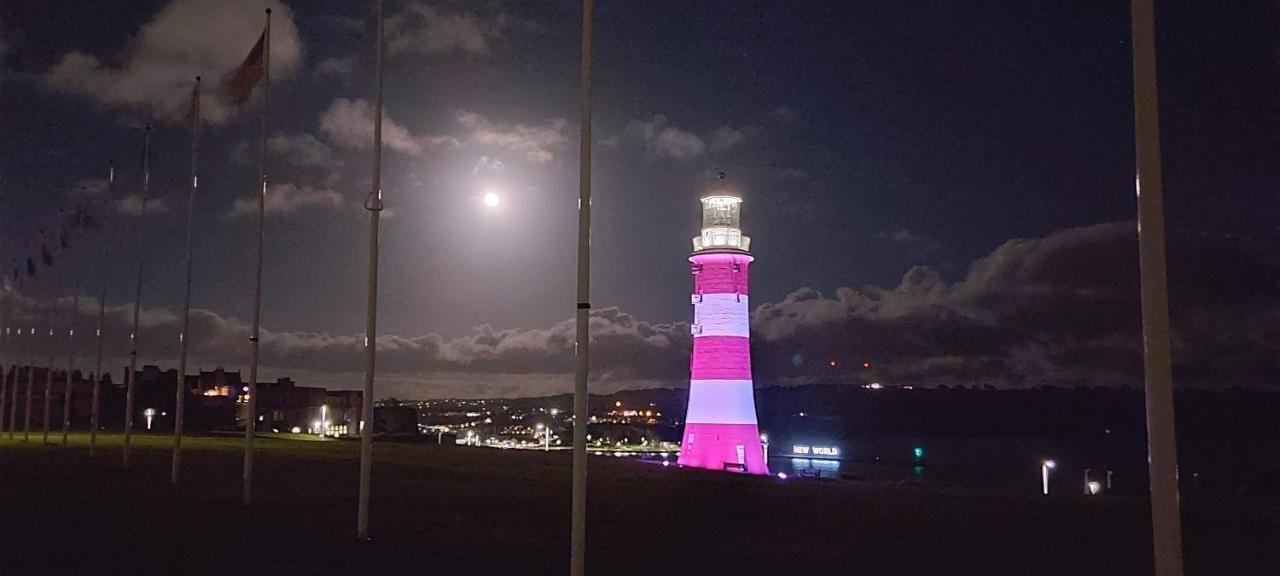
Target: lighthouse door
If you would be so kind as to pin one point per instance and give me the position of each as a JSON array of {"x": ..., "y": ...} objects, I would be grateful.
[{"x": 742, "y": 454}]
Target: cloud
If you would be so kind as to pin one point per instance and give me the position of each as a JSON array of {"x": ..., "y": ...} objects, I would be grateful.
[
  {"x": 536, "y": 142},
  {"x": 185, "y": 39},
  {"x": 302, "y": 150},
  {"x": 623, "y": 348},
  {"x": 663, "y": 140},
  {"x": 350, "y": 123},
  {"x": 339, "y": 67},
  {"x": 1057, "y": 310},
  {"x": 424, "y": 29},
  {"x": 726, "y": 137},
  {"x": 131, "y": 205},
  {"x": 288, "y": 198},
  {"x": 487, "y": 164}
]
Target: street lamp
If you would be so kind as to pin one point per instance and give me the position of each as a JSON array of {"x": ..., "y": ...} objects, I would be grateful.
[
  {"x": 150, "y": 414},
  {"x": 764, "y": 442},
  {"x": 546, "y": 435},
  {"x": 1044, "y": 474}
]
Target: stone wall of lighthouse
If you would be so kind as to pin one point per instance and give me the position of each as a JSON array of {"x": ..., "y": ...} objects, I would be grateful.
[{"x": 720, "y": 427}]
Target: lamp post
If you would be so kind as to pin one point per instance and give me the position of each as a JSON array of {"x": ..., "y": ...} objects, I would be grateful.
[
  {"x": 546, "y": 437},
  {"x": 1045, "y": 467}
]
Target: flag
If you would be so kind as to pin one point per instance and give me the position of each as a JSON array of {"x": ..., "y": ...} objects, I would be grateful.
[
  {"x": 193, "y": 109},
  {"x": 31, "y": 268},
  {"x": 45, "y": 255},
  {"x": 240, "y": 82}
]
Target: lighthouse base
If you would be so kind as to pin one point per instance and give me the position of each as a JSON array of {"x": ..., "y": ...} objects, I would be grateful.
[{"x": 733, "y": 447}]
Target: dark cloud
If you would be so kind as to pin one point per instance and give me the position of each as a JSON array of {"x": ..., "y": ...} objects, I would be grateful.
[
  {"x": 1063, "y": 309},
  {"x": 1058, "y": 310}
]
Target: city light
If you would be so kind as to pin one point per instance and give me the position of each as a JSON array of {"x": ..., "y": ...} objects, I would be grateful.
[
  {"x": 782, "y": 475},
  {"x": 1094, "y": 488},
  {"x": 1044, "y": 474},
  {"x": 150, "y": 414}
]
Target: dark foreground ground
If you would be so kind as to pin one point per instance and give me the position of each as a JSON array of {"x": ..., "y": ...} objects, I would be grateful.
[{"x": 448, "y": 510}]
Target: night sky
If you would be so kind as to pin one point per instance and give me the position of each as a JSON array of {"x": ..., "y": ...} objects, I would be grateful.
[{"x": 943, "y": 189}]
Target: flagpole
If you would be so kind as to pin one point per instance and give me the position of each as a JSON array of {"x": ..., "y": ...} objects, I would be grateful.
[
  {"x": 251, "y": 417},
  {"x": 13, "y": 396},
  {"x": 131, "y": 377},
  {"x": 102, "y": 314},
  {"x": 13, "y": 393},
  {"x": 578, "y": 535},
  {"x": 1162, "y": 452},
  {"x": 175, "y": 473},
  {"x": 71, "y": 358},
  {"x": 5, "y": 371},
  {"x": 31, "y": 384},
  {"x": 374, "y": 206},
  {"x": 48, "y": 375}
]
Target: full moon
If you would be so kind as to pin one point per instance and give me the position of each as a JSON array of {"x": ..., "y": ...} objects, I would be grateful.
[{"x": 491, "y": 199}]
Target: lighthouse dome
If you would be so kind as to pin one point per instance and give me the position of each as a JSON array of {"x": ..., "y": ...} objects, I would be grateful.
[{"x": 721, "y": 219}]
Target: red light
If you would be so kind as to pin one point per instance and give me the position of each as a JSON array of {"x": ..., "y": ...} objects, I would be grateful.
[
  {"x": 866, "y": 364},
  {"x": 832, "y": 363}
]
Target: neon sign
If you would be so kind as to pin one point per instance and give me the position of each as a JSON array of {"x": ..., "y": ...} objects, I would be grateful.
[{"x": 831, "y": 451}]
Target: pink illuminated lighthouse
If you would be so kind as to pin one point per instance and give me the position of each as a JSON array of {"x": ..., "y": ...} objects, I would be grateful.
[{"x": 720, "y": 430}]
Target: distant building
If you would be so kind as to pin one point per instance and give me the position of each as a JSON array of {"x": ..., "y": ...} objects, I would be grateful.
[
  {"x": 286, "y": 407},
  {"x": 155, "y": 390},
  {"x": 219, "y": 382}
]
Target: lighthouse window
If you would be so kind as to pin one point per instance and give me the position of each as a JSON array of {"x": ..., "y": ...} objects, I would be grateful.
[{"x": 720, "y": 211}]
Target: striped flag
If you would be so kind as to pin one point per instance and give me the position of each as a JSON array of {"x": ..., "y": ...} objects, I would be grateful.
[{"x": 239, "y": 83}]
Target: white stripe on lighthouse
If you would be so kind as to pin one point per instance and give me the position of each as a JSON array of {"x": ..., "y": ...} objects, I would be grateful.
[
  {"x": 721, "y": 402},
  {"x": 722, "y": 315}
]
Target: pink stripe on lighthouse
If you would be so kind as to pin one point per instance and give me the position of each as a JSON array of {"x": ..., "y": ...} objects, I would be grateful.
[
  {"x": 721, "y": 358},
  {"x": 716, "y": 273}
]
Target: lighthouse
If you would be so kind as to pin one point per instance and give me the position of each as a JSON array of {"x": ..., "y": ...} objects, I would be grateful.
[{"x": 720, "y": 430}]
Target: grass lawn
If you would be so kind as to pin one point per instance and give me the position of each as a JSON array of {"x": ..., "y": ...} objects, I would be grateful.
[{"x": 454, "y": 510}]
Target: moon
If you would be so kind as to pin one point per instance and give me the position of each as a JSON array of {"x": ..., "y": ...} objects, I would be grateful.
[{"x": 492, "y": 200}]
